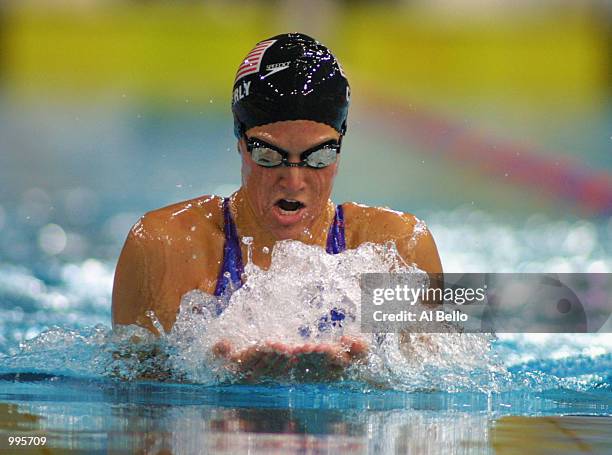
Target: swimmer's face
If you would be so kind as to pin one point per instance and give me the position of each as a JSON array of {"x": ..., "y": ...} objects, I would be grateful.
[{"x": 274, "y": 193}]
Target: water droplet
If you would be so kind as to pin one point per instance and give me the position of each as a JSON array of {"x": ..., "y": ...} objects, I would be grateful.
[
  {"x": 151, "y": 315},
  {"x": 52, "y": 239},
  {"x": 248, "y": 241}
]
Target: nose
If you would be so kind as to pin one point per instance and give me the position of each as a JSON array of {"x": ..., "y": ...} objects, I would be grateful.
[{"x": 292, "y": 178}]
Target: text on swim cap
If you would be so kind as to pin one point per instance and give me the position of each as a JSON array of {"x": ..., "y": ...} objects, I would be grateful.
[
  {"x": 241, "y": 91},
  {"x": 275, "y": 68}
]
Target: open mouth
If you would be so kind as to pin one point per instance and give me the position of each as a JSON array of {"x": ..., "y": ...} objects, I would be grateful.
[{"x": 289, "y": 206}]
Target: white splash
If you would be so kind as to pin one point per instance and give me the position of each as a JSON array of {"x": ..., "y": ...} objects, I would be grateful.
[{"x": 309, "y": 296}]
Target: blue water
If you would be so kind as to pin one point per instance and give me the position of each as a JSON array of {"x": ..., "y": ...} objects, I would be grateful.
[
  {"x": 96, "y": 414},
  {"x": 59, "y": 375},
  {"x": 67, "y": 198}
]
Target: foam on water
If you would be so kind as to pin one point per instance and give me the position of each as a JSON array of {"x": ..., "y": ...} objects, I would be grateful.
[
  {"x": 305, "y": 296},
  {"x": 308, "y": 296}
]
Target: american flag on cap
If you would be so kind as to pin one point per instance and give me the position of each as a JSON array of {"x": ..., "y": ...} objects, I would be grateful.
[{"x": 252, "y": 61}]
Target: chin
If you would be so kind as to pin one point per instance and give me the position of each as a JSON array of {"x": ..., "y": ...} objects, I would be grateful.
[{"x": 294, "y": 232}]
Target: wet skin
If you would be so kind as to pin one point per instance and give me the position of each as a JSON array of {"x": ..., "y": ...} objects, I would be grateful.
[
  {"x": 265, "y": 187},
  {"x": 178, "y": 248},
  {"x": 308, "y": 361}
]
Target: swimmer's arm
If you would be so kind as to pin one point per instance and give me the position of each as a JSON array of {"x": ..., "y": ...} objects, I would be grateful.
[
  {"x": 417, "y": 246},
  {"x": 131, "y": 300},
  {"x": 131, "y": 296}
]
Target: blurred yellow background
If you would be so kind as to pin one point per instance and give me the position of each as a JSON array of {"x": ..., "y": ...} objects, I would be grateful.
[{"x": 544, "y": 57}]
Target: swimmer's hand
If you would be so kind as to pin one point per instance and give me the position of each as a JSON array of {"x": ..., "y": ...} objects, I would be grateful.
[{"x": 304, "y": 362}]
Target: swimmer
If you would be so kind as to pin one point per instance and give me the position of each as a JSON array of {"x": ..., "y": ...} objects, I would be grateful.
[{"x": 290, "y": 104}]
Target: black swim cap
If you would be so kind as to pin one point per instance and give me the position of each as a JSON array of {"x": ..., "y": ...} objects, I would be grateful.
[{"x": 290, "y": 77}]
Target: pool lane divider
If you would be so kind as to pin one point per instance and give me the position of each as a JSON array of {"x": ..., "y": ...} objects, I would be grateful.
[{"x": 564, "y": 179}]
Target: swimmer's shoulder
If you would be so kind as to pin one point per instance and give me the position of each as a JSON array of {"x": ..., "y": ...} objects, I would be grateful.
[
  {"x": 378, "y": 224},
  {"x": 168, "y": 252},
  {"x": 381, "y": 224},
  {"x": 202, "y": 215}
]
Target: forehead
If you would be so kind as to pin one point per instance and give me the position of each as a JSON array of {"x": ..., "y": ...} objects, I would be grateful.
[{"x": 294, "y": 134}]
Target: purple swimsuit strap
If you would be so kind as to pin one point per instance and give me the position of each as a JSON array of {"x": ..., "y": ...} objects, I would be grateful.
[
  {"x": 335, "y": 237},
  {"x": 232, "y": 267}
]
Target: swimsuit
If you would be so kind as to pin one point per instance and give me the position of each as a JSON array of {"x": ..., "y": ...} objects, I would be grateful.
[{"x": 232, "y": 267}]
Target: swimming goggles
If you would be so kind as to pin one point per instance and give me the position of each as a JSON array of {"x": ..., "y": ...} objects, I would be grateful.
[{"x": 317, "y": 157}]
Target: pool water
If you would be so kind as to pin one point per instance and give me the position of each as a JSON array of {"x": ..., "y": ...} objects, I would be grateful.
[
  {"x": 99, "y": 415},
  {"x": 69, "y": 385},
  {"x": 60, "y": 237}
]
